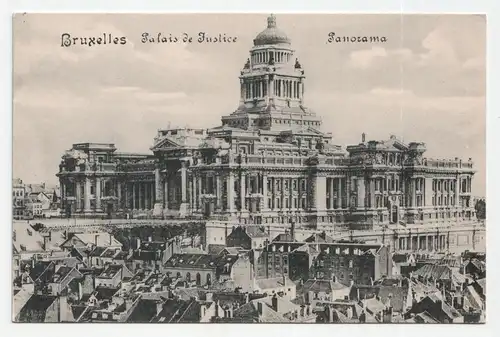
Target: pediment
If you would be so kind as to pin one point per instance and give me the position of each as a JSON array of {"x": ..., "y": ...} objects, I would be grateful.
[{"x": 165, "y": 144}]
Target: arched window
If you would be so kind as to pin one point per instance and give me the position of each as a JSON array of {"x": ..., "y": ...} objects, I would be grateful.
[
  {"x": 178, "y": 274},
  {"x": 209, "y": 279},
  {"x": 188, "y": 276},
  {"x": 198, "y": 279}
]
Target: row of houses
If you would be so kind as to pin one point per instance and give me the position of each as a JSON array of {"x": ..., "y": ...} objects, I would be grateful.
[
  {"x": 90, "y": 277},
  {"x": 31, "y": 201}
]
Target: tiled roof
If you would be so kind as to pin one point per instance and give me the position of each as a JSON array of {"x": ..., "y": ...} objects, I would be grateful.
[
  {"x": 26, "y": 239},
  {"x": 35, "y": 309},
  {"x": 321, "y": 237},
  {"x": 482, "y": 285},
  {"x": 97, "y": 251},
  {"x": 326, "y": 286},
  {"x": 424, "y": 317},
  {"x": 111, "y": 271},
  {"x": 19, "y": 301},
  {"x": 271, "y": 283},
  {"x": 397, "y": 296},
  {"x": 400, "y": 258},
  {"x": 103, "y": 239},
  {"x": 201, "y": 261},
  {"x": 256, "y": 232},
  {"x": 436, "y": 272},
  {"x": 178, "y": 311},
  {"x": 104, "y": 293}
]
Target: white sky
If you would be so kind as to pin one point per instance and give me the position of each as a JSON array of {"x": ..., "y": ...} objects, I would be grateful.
[{"x": 427, "y": 83}]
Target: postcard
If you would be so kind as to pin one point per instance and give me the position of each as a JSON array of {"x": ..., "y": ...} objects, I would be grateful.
[{"x": 249, "y": 168}]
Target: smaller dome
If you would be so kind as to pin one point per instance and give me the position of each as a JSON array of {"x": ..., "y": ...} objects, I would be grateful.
[{"x": 271, "y": 35}]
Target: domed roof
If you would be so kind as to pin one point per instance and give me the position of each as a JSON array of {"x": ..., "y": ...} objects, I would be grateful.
[{"x": 271, "y": 35}]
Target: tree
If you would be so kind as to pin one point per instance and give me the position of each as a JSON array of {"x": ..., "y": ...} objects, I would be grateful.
[{"x": 480, "y": 207}]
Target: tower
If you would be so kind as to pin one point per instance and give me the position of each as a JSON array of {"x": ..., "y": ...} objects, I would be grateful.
[{"x": 272, "y": 86}]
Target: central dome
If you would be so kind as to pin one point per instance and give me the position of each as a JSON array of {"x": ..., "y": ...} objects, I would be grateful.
[{"x": 271, "y": 35}]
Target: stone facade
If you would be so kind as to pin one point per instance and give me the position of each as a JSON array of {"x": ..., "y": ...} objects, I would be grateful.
[{"x": 270, "y": 163}]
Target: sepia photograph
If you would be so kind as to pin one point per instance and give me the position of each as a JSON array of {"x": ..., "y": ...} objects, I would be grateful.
[{"x": 249, "y": 168}]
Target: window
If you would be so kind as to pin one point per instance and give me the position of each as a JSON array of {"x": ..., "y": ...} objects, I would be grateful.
[{"x": 350, "y": 264}]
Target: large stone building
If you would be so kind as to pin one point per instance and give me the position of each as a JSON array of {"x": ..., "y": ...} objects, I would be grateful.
[{"x": 270, "y": 163}]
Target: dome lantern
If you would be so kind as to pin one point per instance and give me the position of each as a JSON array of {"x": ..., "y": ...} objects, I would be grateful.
[{"x": 271, "y": 35}]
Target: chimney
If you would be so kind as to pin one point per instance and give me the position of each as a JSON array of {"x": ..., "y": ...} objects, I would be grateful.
[
  {"x": 292, "y": 231},
  {"x": 274, "y": 302},
  {"x": 308, "y": 309},
  {"x": 45, "y": 242},
  {"x": 138, "y": 243},
  {"x": 302, "y": 309},
  {"x": 110, "y": 239},
  {"x": 351, "y": 283},
  {"x": 329, "y": 312},
  {"x": 210, "y": 297},
  {"x": 230, "y": 311},
  {"x": 363, "y": 137},
  {"x": 357, "y": 294},
  {"x": 247, "y": 297},
  {"x": 95, "y": 239},
  {"x": 150, "y": 239},
  {"x": 159, "y": 306},
  {"x": 217, "y": 309},
  {"x": 259, "y": 308},
  {"x": 387, "y": 315}
]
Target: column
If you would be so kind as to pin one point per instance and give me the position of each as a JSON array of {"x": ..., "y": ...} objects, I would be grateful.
[
  {"x": 331, "y": 190},
  {"x": 339, "y": 193},
  {"x": 184, "y": 181},
  {"x": 242, "y": 190},
  {"x": 319, "y": 192},
  {"x": 165, "y": 191},
  {"x": 230, "y": 192},
  {"x": 218, "y": 190},
  {"x": 192, "y": 192},
  {"x": 119, "y": 194},
  {"x": 86, "y": 195},
  {"x": 158, "y": 188},
  {"x": 134, "y": 190},
  {"x": 271, "y": 88},
  {"x": 360, "y": 192},
  {"x": 98, "y": 193},
  {"x": 78, "y": 195},
  {"x": 264, "y": 191},
  {"x": 200, "y": 192},
  {"x": 152, "y": 189},
  {"x": 372, "y": 193}
]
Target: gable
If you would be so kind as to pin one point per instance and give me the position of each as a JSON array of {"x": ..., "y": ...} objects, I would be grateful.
[
  {"x": 73, "y": 241},
  {"x": 166, "y": 143}
]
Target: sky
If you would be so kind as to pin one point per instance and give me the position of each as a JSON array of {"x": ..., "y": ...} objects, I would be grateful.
[{"x": 426, "y": 83}]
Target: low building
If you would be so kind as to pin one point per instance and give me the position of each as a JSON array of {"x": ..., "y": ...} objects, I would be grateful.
[
  {"x": 84, "y": 240},
  {"x": 204, "y": 269},
  {"x": 437, "y": 309},
  {"x": 247, "y": 237},
  {"x": 112, "y": 276},
  {"x": 349, "y": 262},
  {"x": 324, "y": 290}
]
